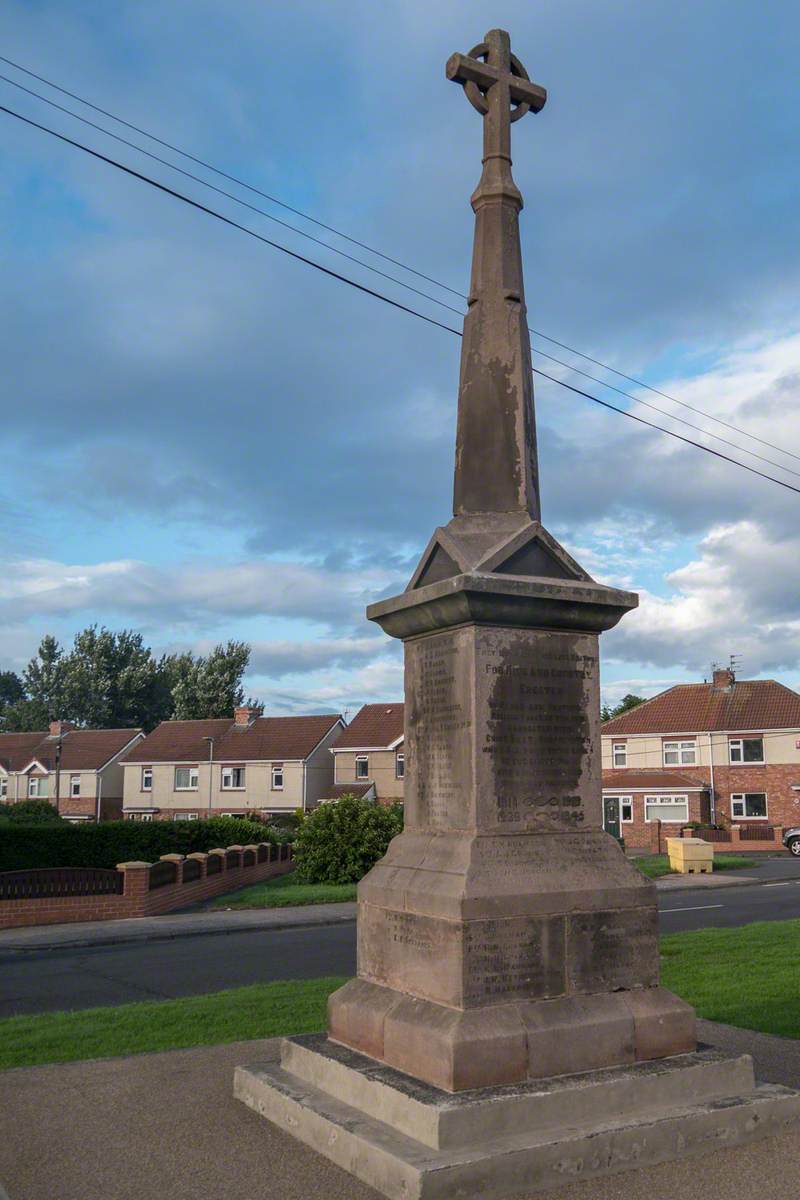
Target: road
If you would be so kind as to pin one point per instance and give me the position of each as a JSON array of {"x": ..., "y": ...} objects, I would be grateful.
[{"x": 82, "y": 977}]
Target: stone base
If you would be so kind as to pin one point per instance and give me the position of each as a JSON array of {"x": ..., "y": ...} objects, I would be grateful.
[
  {"x": 412, "y": 1141},
  {"x": 512, "y": 1042}
]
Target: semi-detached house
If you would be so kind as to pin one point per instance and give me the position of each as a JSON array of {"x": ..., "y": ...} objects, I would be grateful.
[
  {"x": 249, "y": 766},
  {"x": 370, "y": 755},
  {"x": 725, "y": 752},
  {"x": 78, "y": 771}
]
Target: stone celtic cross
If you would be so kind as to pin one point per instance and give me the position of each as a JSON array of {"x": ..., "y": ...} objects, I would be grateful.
[
  {"x": 494, "y": 79},
  {"x": 496, "y": 468}
]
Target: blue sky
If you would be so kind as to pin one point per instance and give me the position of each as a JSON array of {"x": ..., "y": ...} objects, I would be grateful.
[{"x": 204, "y": 439}]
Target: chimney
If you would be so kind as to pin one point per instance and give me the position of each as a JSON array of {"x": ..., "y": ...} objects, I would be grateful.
[
  {"x": 724, "y": 679},
  {"x": 244, "y": 716},
  {"x": 57, "y": 728}
]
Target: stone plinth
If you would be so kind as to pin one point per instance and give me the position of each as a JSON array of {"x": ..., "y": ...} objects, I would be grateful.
[
  {"x": 411, "y": 1141},
  {"x": 505, "y": 937}
]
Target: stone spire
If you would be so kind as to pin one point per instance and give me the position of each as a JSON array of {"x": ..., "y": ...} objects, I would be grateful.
[{"x": 496, "y": 469}]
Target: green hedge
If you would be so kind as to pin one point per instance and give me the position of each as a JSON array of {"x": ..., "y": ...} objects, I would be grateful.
[
  {"x": 339, "y": 841},
  {"x": 66, "y": 845}
]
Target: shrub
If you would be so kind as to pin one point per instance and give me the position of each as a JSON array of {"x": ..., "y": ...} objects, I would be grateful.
[
  {"x": 111, "y": 842},
  {"x": 339, "y": 841},
  {"x": 32, "y": 812}
]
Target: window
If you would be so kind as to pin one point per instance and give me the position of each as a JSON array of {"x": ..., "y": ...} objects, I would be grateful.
[
  {"x": 680, "y": 754},
  {"x": 239, "y": 814},
  {"x": 400, "y": 766},
  {"x": 232, "y": 778},
  {"x": 666, "y": 808},
  {"x": 74, "y": 785},
  {"x": 619, "y": 753},
  {"x": 138, "y": 816},
  {"x": 749, "y": 804},
  {"x": 185, "y": 779},
  {"x": 3, "y": 786},
  {"x": 37, "y": 786},
  {"x": 277, "y": 777},
  {"x": 746, "y": 750},
  {"x": 185, "y": 816},
  {"x": 625, "y": 807},
  {"x": 147, "y": 779},
  {"x": 362, "y": 766}
]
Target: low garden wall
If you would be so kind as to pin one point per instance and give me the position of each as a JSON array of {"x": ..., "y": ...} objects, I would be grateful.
[
  {"x": 53, "y": 896},
  {"x": 734, "y": 839}
]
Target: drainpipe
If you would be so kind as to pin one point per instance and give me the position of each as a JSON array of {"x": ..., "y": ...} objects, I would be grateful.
[
  {"x": 210, "y": 741},
  {"x": 99, "y": 796},
  {"x": 713, "y": 796}
]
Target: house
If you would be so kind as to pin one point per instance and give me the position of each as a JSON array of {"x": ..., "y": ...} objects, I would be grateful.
[
  {"x": 369, "y": 757},
  {"x": 76, "y": 770},
  {"x": 725, "y": 752},
  {"x": 248, "y": 766}
]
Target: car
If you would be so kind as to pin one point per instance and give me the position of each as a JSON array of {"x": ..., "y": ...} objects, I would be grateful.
[{"x": 791, "y": 840}]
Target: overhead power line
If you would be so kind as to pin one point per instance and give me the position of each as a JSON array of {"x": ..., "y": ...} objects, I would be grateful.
[
  {"x": 393, "y": 261},
  {"x": 162, "y": 187},
  {"x": 383, "y": 274}
]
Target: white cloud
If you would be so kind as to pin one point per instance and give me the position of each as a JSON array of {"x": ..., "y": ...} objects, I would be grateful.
[{"x": 739, "y": 596}]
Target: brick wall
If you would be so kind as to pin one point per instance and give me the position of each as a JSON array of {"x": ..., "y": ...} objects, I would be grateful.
[{"x": 138, "y": 899}]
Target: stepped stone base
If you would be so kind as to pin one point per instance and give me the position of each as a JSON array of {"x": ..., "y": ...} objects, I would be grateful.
[{"x": 411, "y": 1141}]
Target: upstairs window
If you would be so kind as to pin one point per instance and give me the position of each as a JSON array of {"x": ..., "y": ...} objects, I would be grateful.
[
  {"x": 680, "y": 754},
  {"x": 277, "y": 777},
  {"x": 400, "y": 766},
  {"x": 186, "y": 779},
  {"x": 74, "y": 785},
  {"x": 752, "y": 805},
  {"x": 232, "y": 779},
  {"x": 746, "y": 750},
  {"x": 147, "y": 779},
  {"x": 37, "y": 786},
  {"x": 619, "y": 753},
  {"x": 362, "y": 766}
]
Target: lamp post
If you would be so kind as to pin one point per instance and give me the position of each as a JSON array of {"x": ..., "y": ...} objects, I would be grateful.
[{"x": 210, "y": 740}]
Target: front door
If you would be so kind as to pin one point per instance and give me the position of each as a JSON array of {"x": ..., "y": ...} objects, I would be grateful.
[{"x": 611, "y": 822}]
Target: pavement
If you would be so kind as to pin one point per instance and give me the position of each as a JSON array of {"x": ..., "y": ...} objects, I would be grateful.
[
  {"x": 140, "y": 1127},
  {"x": 173, "y": 925}
]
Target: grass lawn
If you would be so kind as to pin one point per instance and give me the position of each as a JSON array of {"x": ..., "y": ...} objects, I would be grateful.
[
  {"x": 283, "y": 891},
  {"x": 746, "y": 976},
  {"x": 259, "y": 1011},
  {"x": 656, "y": 865}
]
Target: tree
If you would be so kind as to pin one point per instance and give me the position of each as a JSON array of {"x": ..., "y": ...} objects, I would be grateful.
[
  {"x": 211, "y": 686},
  {"x": 625, "y": 705},
  {"x": 110, "y": 680},
  {"x": 24, "y": 717},
  {"x": 43, "y": 678},
  {"x": 11, "y": 689}
]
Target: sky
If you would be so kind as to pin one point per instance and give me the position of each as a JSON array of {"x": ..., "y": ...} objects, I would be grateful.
[{"x": 204, "y": 439}]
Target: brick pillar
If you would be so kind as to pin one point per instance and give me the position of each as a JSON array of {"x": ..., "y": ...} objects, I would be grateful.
[
  {"x": 136, "y": 887},
  {"x": 736, "y": 836},
  {"x": 654, "y": 833}
]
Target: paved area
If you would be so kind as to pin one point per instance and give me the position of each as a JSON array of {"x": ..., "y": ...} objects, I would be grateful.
[
  {"x": 167, "y": 1124},
  {"x": 173, "y": 925}
]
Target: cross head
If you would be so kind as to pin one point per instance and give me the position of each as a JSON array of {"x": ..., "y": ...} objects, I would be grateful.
[{"x": 497, "y": 85}]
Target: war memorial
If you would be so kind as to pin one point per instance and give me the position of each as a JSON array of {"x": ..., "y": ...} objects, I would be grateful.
[{"x": 506, "y": 1032}]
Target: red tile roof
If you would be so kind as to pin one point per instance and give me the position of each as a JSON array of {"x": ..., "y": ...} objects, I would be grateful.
[
  {"x": 645, "y": 781},
  {"x": 265, "y": 739},
  {"x": 750, "y": 705},
  {"x": 81, "y": 749},
  {"x": 376, "y": 726}
]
